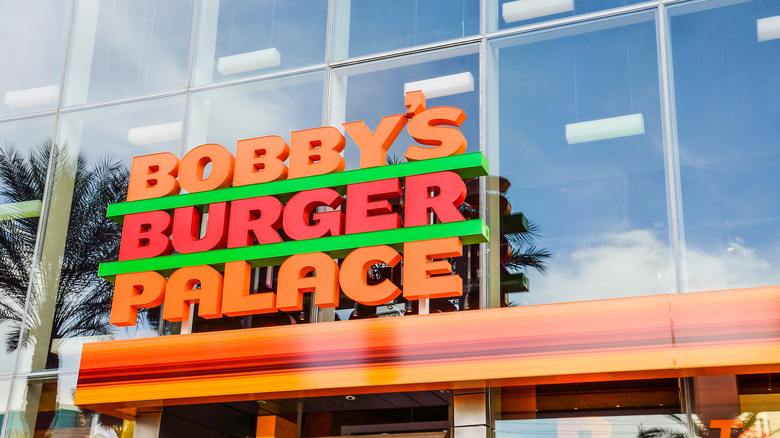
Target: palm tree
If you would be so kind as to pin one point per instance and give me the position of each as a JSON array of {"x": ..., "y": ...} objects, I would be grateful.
[
  {"x": 22, "y": 179},
  {"x": 83, "y": 300},
  {"x": 67, "y": 299}
]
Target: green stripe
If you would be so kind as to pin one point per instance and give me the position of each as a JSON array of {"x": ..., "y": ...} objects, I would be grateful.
[
  {"x": 273, "y": 254},
  {"x": 467, "y": 166},
  {"x": 20, "y": 210}
]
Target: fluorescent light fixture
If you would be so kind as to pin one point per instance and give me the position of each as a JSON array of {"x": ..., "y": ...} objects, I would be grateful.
[
  {"x": 154, "y": 133},
  {"x": 602, "y": 129},
  {"x": 243, "y": 62},
  {"x": 443, "y": 86},
  {"x": 526, "y": 9},
  {"x": 768, "y": 28},
  {"x": 20, "y": 210},
  {"x": 32, "y": 97}
]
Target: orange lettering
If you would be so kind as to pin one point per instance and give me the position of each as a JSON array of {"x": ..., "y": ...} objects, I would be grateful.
[
  {"x": 260, "y": 160},
  {"x": 414, "y": 102},
  {"x": 181, "y": 293},
  {"x": 374, "y": 146},
  {"x": 725, "y": 426},
  {"x": 425, "y": 277},
  {"x": 153, "y": 176},
  {"x": 138, "y": 290},
  {"x": 294, "y": 281},
  {"x": 236, "y": 299},
  {"x": 194, "y": 164},
  {"x": 316, "y": 152},
  {"x": 354, "y": 273},
  {"x": 425, "y": 129}
]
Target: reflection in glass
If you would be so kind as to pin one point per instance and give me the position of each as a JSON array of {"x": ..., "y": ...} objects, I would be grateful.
[
  {"x": 744, "y": 405},
  {"x": 370, "y": 92},
  {"x": 125, "y": 49},
  {"x": 465, "y": 266},
  {"x": 604, "y": 129},
  {"x": 32, "y": 57},
  {"x": 504, "y": 14},
  {"x": 422, "y": 414},
  {"x": 24, "y": 152},
  {"x": 519, "y": 10},
  {"x": 258, "y": 109},
  {"x": 727, "y": 93},
  {"x": 598, "y": 204},
  {"x": 44, "y": 407},
  {"x": 226, "y": 115},
  {"x": 376, "y": 90},
  {"x": 70, "y": 304},
  {"x": 238, "y": 38},
  {"x": 443, "y": 85},
  {"x": 364, "y": 27},
  {"x": 768, "y": 28},
  {"x": 627, "y": 409}
]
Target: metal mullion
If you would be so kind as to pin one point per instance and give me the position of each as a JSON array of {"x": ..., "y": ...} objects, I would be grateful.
[{"x": 40, "y": 232}]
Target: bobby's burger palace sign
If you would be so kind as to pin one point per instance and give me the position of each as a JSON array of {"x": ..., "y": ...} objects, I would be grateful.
[{"x": 168, "y": 257}]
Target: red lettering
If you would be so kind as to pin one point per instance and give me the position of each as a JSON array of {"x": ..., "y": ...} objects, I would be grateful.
[
  {"x": 145, "y": 235},
  {"x": 186, "y": 228},
  {"x": 254, "y": 218},
  {"x": 367, "y": 206},
  {"x": 298, "y": 213},
  {"x": 448, "y": 190}
]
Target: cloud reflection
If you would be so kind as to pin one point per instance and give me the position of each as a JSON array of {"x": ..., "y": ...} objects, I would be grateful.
[{"x": 639, "y": 263}]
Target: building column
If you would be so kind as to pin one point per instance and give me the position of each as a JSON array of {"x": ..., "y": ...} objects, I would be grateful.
[
  {"x": 473, "y": 413},
  {"x": 147, "y": 424}
]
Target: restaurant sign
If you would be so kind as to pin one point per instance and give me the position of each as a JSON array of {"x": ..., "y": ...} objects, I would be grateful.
[{"x": 299, "y": 216}]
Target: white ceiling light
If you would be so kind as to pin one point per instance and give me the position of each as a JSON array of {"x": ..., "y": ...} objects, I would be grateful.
[
  {"x": 443, "y": 85},
  {"x": 527, "y": 9},
  {"x": 32, "y": 97},
  {"x": 768, "y": 28},
  {"x": 243, "y": 62},
  {"x": 154, "y": 133},
  {"x": 602, "y": 129}
]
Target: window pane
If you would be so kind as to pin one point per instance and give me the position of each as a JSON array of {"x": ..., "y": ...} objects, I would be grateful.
[
  {"x": 574, "y": 130},
  {"x": 241, "y": 38},
  {"x": 24, "y": 161},
  {"x": 71, "y": 304},
  {"x": 270, "y": 107},
  {"x": 32, "y": 48},
  {"x": 638, "y": 408},
  {"x": 365, "y": 27},
  {"x": 511, "y": 13},
  {"x": 727, "y": 92},
  {"x": 368, "y": 93},
  {"x": 742, "y": 405},
  {"x": 44, "y": 407},
  {"x": 5, "y": 390},
  {"x": 123, "y": 49}
]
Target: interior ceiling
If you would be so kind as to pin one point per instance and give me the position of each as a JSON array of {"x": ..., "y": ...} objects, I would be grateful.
[{"x": 356, "y": 402}]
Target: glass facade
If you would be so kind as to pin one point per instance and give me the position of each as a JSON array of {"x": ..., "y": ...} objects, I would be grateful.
[{"x": 632, "y": 149}]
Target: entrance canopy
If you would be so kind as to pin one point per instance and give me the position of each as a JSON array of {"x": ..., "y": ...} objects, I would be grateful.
[{"x": 718, "y": 332}]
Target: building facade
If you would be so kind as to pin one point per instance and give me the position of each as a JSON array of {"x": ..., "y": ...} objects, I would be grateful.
[{"x": 634, "y": 246}]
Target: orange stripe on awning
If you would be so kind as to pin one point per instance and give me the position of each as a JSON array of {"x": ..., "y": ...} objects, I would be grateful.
[{"x": 650, "y": 336}]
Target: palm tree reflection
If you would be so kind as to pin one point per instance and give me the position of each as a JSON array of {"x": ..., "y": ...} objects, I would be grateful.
[{"x": 67, "y": 298}]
